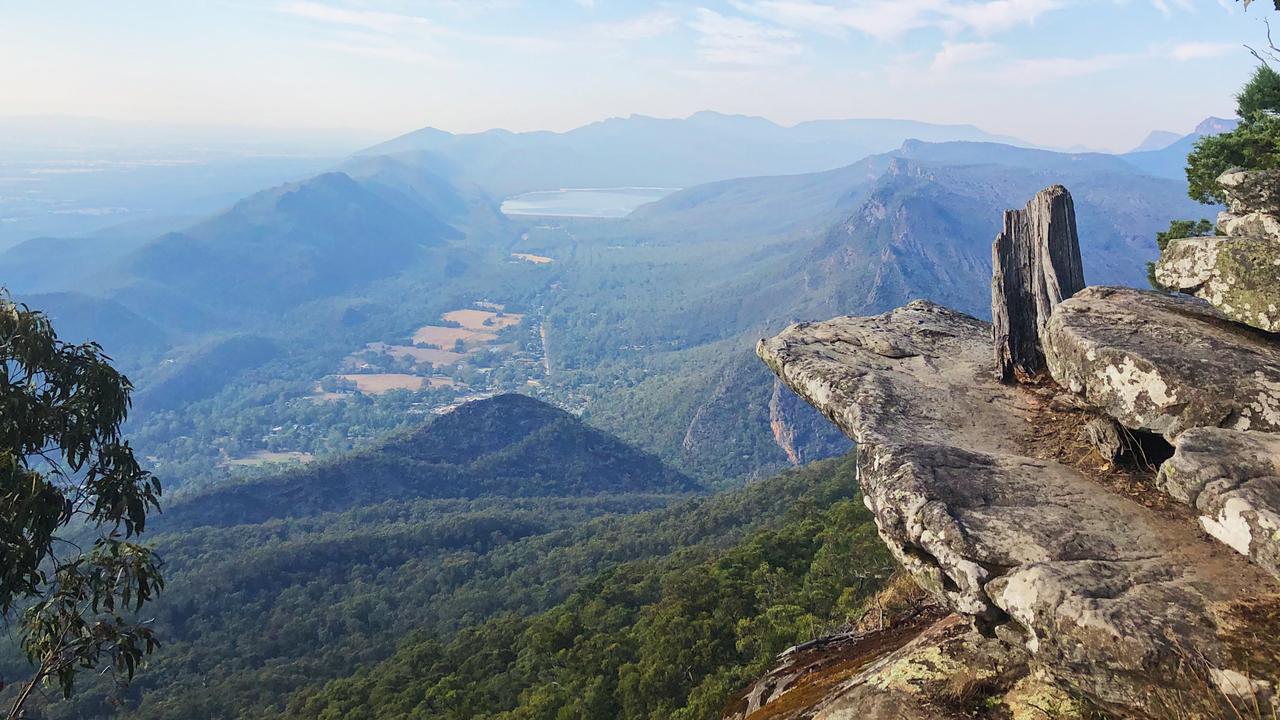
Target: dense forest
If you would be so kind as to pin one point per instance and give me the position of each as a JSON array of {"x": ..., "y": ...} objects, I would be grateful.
[
  {"x": 256, "y": 617},
  {"x": 670, "y": 637}
]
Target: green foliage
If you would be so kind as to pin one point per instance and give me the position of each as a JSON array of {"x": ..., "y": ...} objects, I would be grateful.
[
  {"x": 62, "y": 461},
  {"x": 1261, "y": 95},
  {"x": 1254, "y": 145},
  {"x": 255, "y": 613},
  {"x": 663, "y": 638},
  {"x": 1178, "y": 229}
]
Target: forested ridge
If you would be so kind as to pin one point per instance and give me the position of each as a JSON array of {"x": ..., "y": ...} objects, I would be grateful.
[
  {"x": 664, "y": 637},
  {"x": 259, "y": 613}
]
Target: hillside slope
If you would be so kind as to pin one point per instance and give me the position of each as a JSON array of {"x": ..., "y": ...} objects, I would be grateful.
[
  {"x": 253, "y": 612},
  {"x": 510, "y": 445},
  {"x": 283, "y": 246},
  {"x": 668, "y": 637}
]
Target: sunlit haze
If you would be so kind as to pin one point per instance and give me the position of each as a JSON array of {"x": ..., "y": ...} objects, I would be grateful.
[{"x": 1061, "y": 73}]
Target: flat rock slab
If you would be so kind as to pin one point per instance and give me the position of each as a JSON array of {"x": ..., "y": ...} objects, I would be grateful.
[
  {"x": 1107, "y": 593},
  {"x": 1238, "y": 275},
  {"x": 1164, "y": 363},
  {"x": 1232, "y": 479}
]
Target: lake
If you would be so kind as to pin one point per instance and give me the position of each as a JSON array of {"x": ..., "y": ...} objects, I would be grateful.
[{"x": 583, "y": 202}]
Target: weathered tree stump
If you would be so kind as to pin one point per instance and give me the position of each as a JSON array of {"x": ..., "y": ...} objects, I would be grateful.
[{"x": 1035, "y": 265}]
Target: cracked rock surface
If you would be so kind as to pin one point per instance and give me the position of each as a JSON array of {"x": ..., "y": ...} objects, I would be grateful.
[
  {"x": 1232, "y": 479},
  {"x": 1106, "y": 593},
  {"x": 1164, "y": 363}
]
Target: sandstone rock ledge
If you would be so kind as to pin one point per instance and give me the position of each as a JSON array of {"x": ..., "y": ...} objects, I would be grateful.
[
  {"x": 1127, "y": 606},
  {"x": 1164, "y": 363}
]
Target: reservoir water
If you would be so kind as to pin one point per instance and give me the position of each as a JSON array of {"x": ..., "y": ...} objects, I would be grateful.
[{"x": 583, "y": 202}]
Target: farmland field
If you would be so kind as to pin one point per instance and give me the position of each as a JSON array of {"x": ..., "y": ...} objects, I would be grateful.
[
  {"x": 535, "y": 259},
  {"x": 475, "y": 319},
  {"x": 445, "y": 337},
  {"x": 262, "y": 457},
  {"x": 377, "y": 383},
  {"x": 418, "y": 355}
]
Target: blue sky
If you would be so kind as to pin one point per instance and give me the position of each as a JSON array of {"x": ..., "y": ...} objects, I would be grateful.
[{"x": 1101, "y": 73}]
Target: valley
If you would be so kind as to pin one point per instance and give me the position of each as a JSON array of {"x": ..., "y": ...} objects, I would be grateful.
[
  {"x": 484, "y": 302},
  {"x": 383, "y": 399},
  {"x": 640, "y": 360}
]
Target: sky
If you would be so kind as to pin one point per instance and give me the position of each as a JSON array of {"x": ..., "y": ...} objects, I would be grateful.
[{"x": 1060, "y": 73}]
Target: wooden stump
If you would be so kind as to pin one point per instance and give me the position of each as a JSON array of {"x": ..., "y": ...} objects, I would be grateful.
[{"x": 1035, "y": 265}]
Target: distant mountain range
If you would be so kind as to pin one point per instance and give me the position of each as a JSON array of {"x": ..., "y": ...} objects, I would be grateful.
[
  {"x": 646, "y": 151},
  {"x": 910, "y": 209},
  {"x": 403, "y": 237},
  {"x": 1166, "y": 156}
]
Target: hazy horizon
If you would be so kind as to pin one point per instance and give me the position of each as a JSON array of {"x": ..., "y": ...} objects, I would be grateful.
[{"x": 1055, "y": 73}]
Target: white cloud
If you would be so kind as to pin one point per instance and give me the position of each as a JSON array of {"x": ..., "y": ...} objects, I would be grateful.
[
  {"x": 377, "y": 21},
  {"x": 887, "y": 19},
  {"x": 1038, "y": 71},
  {"x": 1166, "y": 6},
  {"x": 377, "y": 34},
  {"x": 954, "y": 54},
  {"x": 737, "y": 41},
  {"x": 640, "y": 27},
  {"x": 996, "y": 16},
  {"x": 1202, "y": 50}
]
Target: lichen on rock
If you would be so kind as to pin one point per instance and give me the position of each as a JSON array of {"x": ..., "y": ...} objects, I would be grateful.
[
  {"x": 1237, "y": 271},
  {"x": 1163, "y": 363}
]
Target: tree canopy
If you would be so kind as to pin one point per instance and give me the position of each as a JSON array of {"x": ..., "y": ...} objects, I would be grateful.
[
  {"x": 1254, "y": 145},
  {"x": 66, "y": 475}
]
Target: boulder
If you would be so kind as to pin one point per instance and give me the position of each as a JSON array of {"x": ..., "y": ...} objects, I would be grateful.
[
  {"x": 1106, "y": 593},
  {"x": 1251, "y": 191},
  {"x": 1232, "y": 479},
  {"x": 1238, "y": 271},
  {"x": 1254, "y": 224},
  {"x": 1238, "y": 275},
  {"x": 1164, "y": 363}
]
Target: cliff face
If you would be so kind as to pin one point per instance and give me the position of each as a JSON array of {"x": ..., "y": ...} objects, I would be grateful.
[{"x": 1072, "y": 567}]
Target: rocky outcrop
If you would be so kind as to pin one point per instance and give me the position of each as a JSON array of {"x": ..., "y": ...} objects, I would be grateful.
[
  {"x": 905, "y": 660},
  {"x": 1253, "y": 203},
  {"x": 1238, "y": 275},
  {"x": 1232, "y": 479},
  {"x": 1121, "y": 602},
  {"x": 1034, "y": 510},
  {"x": 1238, "y": 271},
  {"x": 1164, "y": 363},
  {"x": 1036, "y": 261}
]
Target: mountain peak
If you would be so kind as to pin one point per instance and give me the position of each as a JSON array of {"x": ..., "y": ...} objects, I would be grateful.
[
  {"x": 505, "y": 446},
  {"x": 1158, "y": 140},
  {"x": 1216, "y": 126}
]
